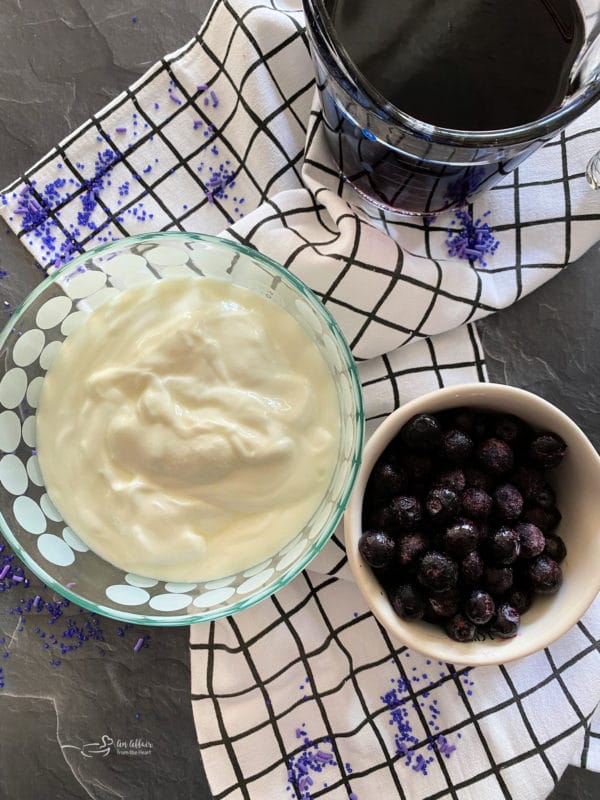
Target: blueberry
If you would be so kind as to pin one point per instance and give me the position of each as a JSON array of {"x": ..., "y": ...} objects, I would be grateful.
[
  {"x": 497, "y": 580},
  {"x": 508, "y": 502},
  {"x": 546, "y": 519},
  {"x": 480, "y": 607},
  {"x": 460, "y": 629},
  {"x": 456, "y": 446},
  {"x": 519, "y": 598},
  {"x": 408, "y": 602},
  {"x": 437, "y": 572},
  {"x": 531, "y": 539},
  {"x": 444, "y": 604},
  {"x": 377, "y": 548},
  {"x": 476, "y": 503},
  {"x": 529, "y": 481},
  {"x": 547, "y": 450},
  {"x": 407, "y": 512},
  {"x": 462, "y": 537},
  {"x": 387, "y": 479},
  {"x": 478, "y": 479},
  {"x": 471, "y": 567},
  {"x": 504, "y": 545},
  {"x": 453, "y": 479},
  {"x": 506, "y": 622},
  {"x": 418, "y": 467},
  {"x": 545, "y": 496},
  {"x": 441, "y": 504},
  {"x": 545, "y": 575},
  {"x": 495, "y": 456},
  {"x": 422, "y": 432},
  {"x": 409, "y": 548},
  {"x": 510, "y": 429},
  {"x": 555, "y": 547}
]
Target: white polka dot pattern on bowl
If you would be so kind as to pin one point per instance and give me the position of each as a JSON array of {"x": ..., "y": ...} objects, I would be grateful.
[
  {"x": 126, "y": 595},
  {"x": 13, "y": 387},
  {"x": 29, "y": 515},
  {"x": 74, "y": 541},
  {"x": 55, "y": 550},
  {"x": 170, "y": 602},
  {"x": 28, "y": 347},
  {"x": 13, "y": 475},
  {"x": 10, "y": 431},
  {"x": 53, "y": 312}
]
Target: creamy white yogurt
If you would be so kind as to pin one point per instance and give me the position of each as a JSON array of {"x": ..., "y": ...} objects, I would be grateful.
[{"x": 188, "y": 429}]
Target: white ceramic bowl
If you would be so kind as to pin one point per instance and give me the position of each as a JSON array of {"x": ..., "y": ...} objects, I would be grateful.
[{"x": 577, "y": 482}]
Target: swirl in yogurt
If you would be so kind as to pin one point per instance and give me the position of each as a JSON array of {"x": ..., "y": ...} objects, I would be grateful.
[{"x": 188, "y": 429}]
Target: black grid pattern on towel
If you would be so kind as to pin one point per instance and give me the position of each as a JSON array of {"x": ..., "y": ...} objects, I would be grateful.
[{"x": 403, "y": 307}]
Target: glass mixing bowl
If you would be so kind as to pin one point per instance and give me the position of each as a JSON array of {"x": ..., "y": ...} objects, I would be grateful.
[{"x": 28, "y": 345}]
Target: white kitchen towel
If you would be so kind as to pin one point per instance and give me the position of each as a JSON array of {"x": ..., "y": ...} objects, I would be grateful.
[{"x": 305, "y": 695}]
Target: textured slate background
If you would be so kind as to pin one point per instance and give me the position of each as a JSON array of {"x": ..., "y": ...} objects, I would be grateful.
[{"x": 61, "y": 60}]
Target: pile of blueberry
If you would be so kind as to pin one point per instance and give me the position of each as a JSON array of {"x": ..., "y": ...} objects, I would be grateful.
[{"x": 459, "y": 521}]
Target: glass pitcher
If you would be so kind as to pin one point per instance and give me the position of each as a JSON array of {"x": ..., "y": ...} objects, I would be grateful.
[{"x": 407, "y": 166}]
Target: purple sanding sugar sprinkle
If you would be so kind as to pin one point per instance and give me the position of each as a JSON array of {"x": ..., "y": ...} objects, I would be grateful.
[
  {"x": 5, "y": 570},
  {"x": 202, "y": 87},
  {"x": 473, "y": 241},
  {"x": 121, "y": 129},
  {"x": 138, "y": 645},
  {"x": 174, "y": 98},
  {"x": 306, "y": 765},
  {"x": 214, "y": 98}
]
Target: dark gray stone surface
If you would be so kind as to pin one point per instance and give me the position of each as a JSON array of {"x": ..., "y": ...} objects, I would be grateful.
[{"x": 61, "y": 60}]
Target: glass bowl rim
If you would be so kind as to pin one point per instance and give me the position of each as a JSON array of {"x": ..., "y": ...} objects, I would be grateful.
[
  {"x": 320, "y": 25},
  {"x": 316, "y": 545}
]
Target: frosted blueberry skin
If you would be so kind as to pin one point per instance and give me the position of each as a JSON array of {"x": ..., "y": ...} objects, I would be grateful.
[
  {"x": 387, "y": 479},
  {"x": 497, "y": 580},
  {"x": 456, "y": 446},
  {"x": 531, "y": 539},
  {"x": 555, "y": 548},
  {"x": 511, "y": 430},
  {"x": 547, "y": 450},
  {"x": 495, "y": 456},
  {"x": 506, "y": 621},
  {"x": 461, "y": 629},
  {"x": 504, "y": 546},
  {"x": 476, "y": 503},
  {"x": 407, "y": 512},
  {"x": 480, "y": 607},
  {"x": 437, "y": 572},
  {"x": 408, "y": 601},
  {"x": 508, "y": 502},
  {"x": 453, "y": 478},
  {"x": 441, "y": 504},
  {"x": 545, "y": 575},
  {"x": 377, "y": 548},
  {"x": 422, "y": 432},
  {"x": 471, "y": 567},
  {"x": 410, "y": 548},
  {"x": 446, "y": 603},
  {"x": 460, "y": 538}
]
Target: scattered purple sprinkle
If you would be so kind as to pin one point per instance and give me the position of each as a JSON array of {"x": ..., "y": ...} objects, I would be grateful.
[
  {"x": 121, "y": 129},
  {"x": 174, "y": 98},
  {"x": 4, "y": 572},
  {"x": 214, "y": 98},
  {"x": 474, "y": 240},
  {"x": 134, "y": 20},
  {"x": 139, "y": 644}
]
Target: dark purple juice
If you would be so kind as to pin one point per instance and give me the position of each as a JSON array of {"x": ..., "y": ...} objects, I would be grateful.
[{"x": 464, "y": 65}]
